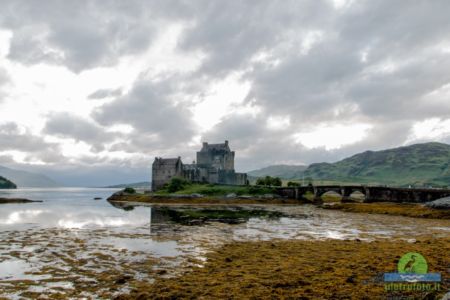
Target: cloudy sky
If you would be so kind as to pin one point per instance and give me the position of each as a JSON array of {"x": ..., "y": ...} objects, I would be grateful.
[{"x": 92, "y": 91}]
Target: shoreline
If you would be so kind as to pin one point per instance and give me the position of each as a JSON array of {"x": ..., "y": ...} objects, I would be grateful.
[
  {"x": 190, "y": 200},
  {"x": 414, "y": 210}
]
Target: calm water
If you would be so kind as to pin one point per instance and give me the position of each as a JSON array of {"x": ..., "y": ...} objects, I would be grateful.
[
  {"x": 70, "y": 240},
  {"x": 66, "y": 208}
]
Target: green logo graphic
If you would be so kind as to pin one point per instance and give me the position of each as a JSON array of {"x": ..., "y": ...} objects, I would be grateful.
[{"x": 412, "y": 262}]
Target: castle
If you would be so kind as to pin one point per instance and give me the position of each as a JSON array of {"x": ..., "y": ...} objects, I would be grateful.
[{"x": 215, "y": 164}]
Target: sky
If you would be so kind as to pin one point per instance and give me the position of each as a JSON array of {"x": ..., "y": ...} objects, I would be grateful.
[{"x": 91, "y": 91}]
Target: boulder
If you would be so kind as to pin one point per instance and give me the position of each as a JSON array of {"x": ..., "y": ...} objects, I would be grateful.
[{"x": 443, "y": 203}]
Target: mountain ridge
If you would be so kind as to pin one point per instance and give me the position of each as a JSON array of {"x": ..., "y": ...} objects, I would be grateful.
[
  {"x": 27, "y": 179},
  {"x": 418, "y": 164},
  {"x": 282, "y": 171}
]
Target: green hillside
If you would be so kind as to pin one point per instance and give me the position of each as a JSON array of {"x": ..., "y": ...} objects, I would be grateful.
[
  {"x": 6, "y": 184},
  {"x": 419, "y": 165},
  {"x": 281, "y": 171}
]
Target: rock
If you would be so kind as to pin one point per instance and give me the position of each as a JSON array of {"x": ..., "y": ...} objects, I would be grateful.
[
  {"x": 161, "y": 272},
  {"x": 351, "y": 279},
  {"x": 123, "y": 279},
  {"x": 98, "y": 198},
  {"x": 443, "y": 203},
  {"x": 196, "y": 195}
]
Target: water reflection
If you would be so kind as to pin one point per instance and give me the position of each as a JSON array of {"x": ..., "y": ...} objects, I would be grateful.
[{"x": 67, "y": 208}]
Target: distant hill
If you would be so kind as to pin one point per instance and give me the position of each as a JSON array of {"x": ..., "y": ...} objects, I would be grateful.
[
  {"x": 420, "y": 164},
  {"x": 281, "y": 171},
  {"x": 6, "y": 184},
  {"x": 27, "y": 179},
  {"x": 143, "y": 184}
]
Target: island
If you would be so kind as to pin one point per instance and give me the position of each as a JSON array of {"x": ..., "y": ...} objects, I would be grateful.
[{"x": 17, "y": 200}]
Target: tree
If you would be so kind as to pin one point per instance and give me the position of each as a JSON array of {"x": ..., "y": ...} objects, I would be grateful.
[
  {"x": 129, "y": 190},
  {"x": 293, "y": 184},
  {"x": 276, "y": 181},
  {"x": 269, "y": 181}
]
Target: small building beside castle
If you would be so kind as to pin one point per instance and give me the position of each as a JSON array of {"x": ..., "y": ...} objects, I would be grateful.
[{"x": 215, "y": 164}]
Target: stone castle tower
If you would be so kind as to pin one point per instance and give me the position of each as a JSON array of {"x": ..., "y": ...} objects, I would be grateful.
[{"x": 215, "y": 164}]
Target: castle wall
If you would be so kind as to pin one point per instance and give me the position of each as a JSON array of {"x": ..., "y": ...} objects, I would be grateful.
[
  {"x": 241, "y": 179},
  {"x": 218, "y": 156},
  {"x": 165, "y": 169},
  {"x": 232, "y": 178}
]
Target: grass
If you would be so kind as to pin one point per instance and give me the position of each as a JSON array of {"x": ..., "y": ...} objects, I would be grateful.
[{"x": 219, "y": 190}]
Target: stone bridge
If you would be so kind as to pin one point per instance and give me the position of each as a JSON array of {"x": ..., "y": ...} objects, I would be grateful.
[{"x": 371, "y": 193}]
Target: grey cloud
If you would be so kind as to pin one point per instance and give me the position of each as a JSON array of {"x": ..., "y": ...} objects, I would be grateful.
[
  {"x": 18, "y": 139},
  {"x": 151, "y": 109},
  {"x": 4, "y": 79},
  {"x": 6, "y": 159},
  {"x": 230, "y": 33},
  {"x": 70, "y": 126},
  {"x": 80, "y": 34},
  {"x": 105, "y": 93},
  {"x": 311, "y": 87}
]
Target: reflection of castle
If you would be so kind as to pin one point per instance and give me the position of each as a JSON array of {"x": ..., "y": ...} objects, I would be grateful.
[{"x": 215, "y": 164}]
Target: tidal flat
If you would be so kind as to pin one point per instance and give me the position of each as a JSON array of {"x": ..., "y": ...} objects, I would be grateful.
[
  {"x": 72, "y": 247},
  {"x": 299, "y": 269}
]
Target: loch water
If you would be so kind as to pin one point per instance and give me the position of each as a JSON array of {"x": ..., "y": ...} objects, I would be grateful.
[{"x": 66, "y": 243}]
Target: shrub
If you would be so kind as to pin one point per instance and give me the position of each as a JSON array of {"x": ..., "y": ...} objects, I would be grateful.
[
  {"x": 129, "y": 190},
  {"x": 177, "y": 184},
  {"x": 268, "y": 181}
]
